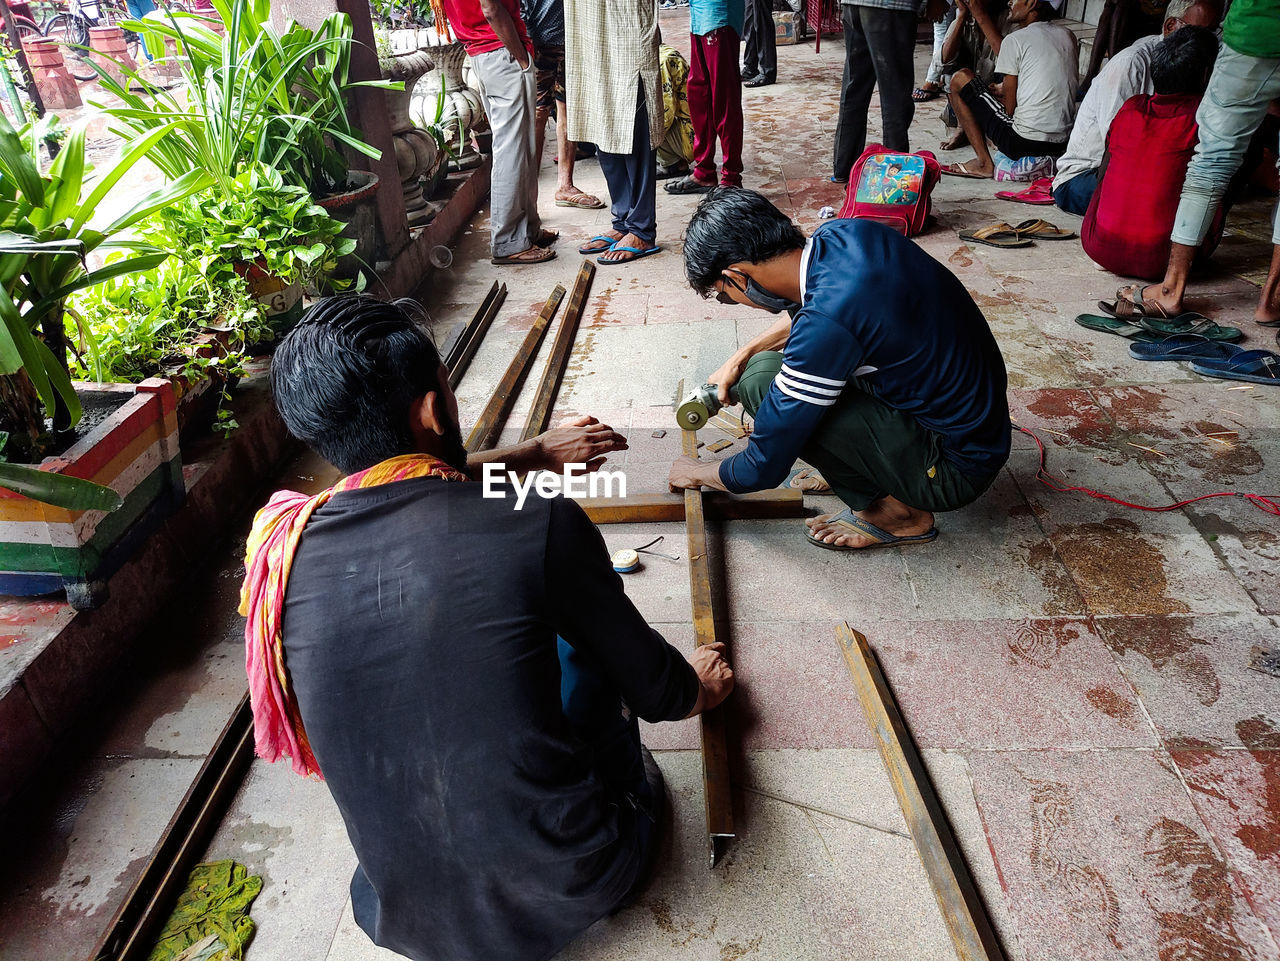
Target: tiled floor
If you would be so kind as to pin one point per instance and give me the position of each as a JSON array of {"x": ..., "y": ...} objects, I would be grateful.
[{"x": 1075, "y": 671}]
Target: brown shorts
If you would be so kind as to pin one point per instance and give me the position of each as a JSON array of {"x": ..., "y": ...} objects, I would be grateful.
[{"x": 548, "y": 64}]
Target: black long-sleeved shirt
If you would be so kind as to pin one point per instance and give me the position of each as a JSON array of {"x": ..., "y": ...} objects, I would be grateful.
[{"x": 420, "y": 635}]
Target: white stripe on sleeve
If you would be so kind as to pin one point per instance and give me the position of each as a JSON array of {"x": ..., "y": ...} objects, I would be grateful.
[
  {"x": 819, "y": 402},
  {"x": 800, "y": 375}
]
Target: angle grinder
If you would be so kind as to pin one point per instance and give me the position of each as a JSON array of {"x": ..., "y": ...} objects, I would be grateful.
[{"x": 700, "y": 405}]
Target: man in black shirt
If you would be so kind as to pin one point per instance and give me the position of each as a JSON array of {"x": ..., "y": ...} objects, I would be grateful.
[{"x": 469, "y": 675}]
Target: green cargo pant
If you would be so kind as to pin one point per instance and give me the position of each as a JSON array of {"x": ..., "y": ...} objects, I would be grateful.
[{"x": 866, "y": 449}]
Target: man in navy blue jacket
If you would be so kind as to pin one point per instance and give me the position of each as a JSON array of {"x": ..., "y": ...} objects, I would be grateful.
[{"x": 882, "y": 372}]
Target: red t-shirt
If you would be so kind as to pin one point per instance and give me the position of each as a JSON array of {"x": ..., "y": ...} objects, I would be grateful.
[
  {"x": 467, "y": 21},
  {"x": 1127, "y": 227}
]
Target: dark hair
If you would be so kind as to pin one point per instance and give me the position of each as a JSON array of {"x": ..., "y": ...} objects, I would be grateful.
[
  {"x": 345, "y": 377},
  {"x": 731, "y": 226},
  {"x": 1047, "y": 11},
  {"x": 1181, "y": 62}
]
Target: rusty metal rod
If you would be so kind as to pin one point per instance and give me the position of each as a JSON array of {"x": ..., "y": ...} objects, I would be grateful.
[
  {"x": 468, "y": 343},
  {"x": 963, "y": 912},
  {"x": 132, "y": 931},
  {"x": 717, "y": 506},
  {"x": 545, "y": 398},
  {"x": 715, "y": 753}
]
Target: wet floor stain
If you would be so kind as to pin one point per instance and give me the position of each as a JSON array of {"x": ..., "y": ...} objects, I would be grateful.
[
  {"x": 1116, "y": 568},
  {"x": 1171, "y": 646},
  {"x": 1110, "y": 703},
  {"x": 1183, "y": 859}
]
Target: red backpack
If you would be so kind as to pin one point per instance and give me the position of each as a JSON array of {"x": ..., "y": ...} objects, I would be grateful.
[{"x": 892, "y": 188}]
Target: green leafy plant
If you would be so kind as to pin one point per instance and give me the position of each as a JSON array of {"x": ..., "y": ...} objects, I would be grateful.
[
  {"x": 45, "y": 238},
  {"x": 255, "y": 95},
  {"x": 404, "y": 13},
  {"x": 258, "y": 221}
]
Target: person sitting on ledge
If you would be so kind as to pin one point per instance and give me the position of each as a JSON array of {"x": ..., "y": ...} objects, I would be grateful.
[
  {"x": 883, "y": 374},
  {"x": 1126, "y": 75},
  {"x": 1130, "y": 218},
  {"x": 1029, "y": 113},
  {"x": 470, "y": 675}
]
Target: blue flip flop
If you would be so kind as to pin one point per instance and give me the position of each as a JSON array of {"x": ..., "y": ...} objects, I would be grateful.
[
  {"x": 1185, "y": 347},
  {"x": 597, "y": 250},
  {"x": 847, "y": 518},
  {"x": 629, "y": 250},
  {"x": 1252, "y": 366}
]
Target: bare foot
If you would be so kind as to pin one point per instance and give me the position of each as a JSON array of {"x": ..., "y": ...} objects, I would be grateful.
[
  {"x": 616, "y": 256},
  {"x": 955, "y": 141},
  {"x": 600, "y": 246},
  {"x": 889, "y": 514},
  {"x": 571, "y": 196},
  {"x": 971, "y": 168}
]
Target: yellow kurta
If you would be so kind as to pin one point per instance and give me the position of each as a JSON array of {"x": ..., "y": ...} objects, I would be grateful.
[{"x": 610, "y": 47}]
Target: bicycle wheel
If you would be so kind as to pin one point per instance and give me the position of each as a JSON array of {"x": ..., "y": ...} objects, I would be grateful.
[{"x": 72, "y": 34}]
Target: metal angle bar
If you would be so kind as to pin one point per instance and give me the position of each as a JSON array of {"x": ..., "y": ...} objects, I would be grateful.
[
  {"x": 963, "y": 912},
  {"x": 132, "y": 932},
  {"x": 553, "y": 373},
  {"x": 715, "y": 754},
  {"x": 459, "y": 366},
  {"x": 463, "y": 332},
  {"x": 489, "y": 426},
  {"x": 718, "y": 506}
]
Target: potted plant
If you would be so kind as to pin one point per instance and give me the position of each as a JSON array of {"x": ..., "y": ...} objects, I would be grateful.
[
  {"x": 43, "y": 261},
  {"x": 258, "y": 95}
]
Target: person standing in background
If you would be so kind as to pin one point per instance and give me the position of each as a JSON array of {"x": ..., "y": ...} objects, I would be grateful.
[
  {"x": 545, "y": 22},
  {"x": 879, "y": 45},
  {"x": 715, "y": 95},
  {"x": 614, "y": 100},
  {"x": 493, "y": 34},
  {"x": 759, "y": 45}
]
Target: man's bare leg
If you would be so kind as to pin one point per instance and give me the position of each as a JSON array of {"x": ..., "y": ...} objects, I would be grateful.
[
  {"x": 969, "y": 126},
  {"x": 888, "y": 514},
  {"x": 568, "y": 150},
  {"x": 540, "y": 117},
  {"x": 1269, "y": 302},
  {"x": 1167, "y": 295}
]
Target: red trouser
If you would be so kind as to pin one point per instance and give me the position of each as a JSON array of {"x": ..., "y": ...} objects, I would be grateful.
[{"x": 715, "y": 105}]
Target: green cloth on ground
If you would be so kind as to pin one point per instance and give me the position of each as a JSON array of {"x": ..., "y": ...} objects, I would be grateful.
[
  {"x": 215, "y": 903},
  {"x": 866, "y": 449},
  {"x": 1253, "y": 28}
]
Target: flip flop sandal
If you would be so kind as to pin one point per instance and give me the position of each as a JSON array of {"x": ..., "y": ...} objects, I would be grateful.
[
  {"x": 687, "y": 185},
  {"x": 1184, "y": 347},
  {"x": 1114, "y": 325},
  {"x": 995, "y": 235},
  {"x": 1188, "y": 323},
  {"x": 546, "y": 238},
  {"x": 808, "y": 480},
  {"x": 581, "y": 201},
  {"x": 920, "y": 95},
  {"x": 1124, "y": 308},
  {"x": 1043, "y": 230},
  {"x": 587, "y": 250},
  {"x": 543, "y": 256},
  {"x": 629, "y": 250},
  {"x": 1251, "y": 366},
  {"x": 856, "y": 525},
  {"x": 959, "y": 170}
]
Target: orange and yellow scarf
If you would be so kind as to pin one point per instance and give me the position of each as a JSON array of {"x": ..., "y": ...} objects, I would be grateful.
[{"x": 273, "y": 541}]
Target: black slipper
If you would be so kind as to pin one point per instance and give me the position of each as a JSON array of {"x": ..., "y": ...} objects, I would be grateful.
[{"x": 687, "y": 185}]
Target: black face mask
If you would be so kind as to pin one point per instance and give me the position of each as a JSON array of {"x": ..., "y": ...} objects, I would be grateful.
[{"x": 760, "y": 297}]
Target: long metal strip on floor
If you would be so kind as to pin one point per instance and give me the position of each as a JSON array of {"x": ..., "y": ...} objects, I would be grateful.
[
  {"x": 716, "y": 505},
  {"x": 458, "y": 358},
  {"x": 545, "y": 398},
  {"x": 488, "y": 427},
  {"x": 715, "y": 753},
  {"x": 132, "y": 932},
  {"x": 963, "y": 912}
]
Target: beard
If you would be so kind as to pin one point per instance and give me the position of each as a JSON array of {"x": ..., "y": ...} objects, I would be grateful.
[{"x": 455, "y": 451}]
